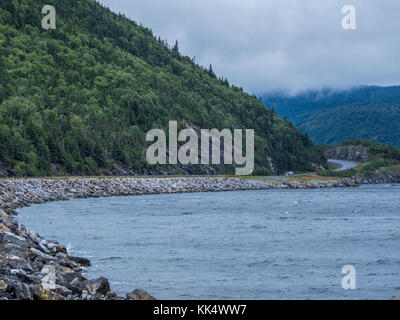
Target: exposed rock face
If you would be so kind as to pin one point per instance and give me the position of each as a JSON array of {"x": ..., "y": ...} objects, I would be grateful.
[
  {"x": 26, "y": 259},
  {"x": 350, "y": 153},
  {"x": 272, "y": 166}
]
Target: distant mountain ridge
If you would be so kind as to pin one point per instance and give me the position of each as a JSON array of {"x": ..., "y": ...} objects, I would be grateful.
[{"x": 331, "y": 116}]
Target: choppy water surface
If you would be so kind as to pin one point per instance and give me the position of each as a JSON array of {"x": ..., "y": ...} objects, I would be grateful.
[{"x": 235, "y": 245}]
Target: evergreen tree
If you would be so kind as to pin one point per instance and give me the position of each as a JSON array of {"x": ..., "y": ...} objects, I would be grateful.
[
  {"x": 175, "y": 50},
  {"x": 211, "y": 72}
]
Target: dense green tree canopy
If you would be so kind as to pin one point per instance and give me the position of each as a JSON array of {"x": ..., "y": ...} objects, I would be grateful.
[{"x": 78, "y": 99}]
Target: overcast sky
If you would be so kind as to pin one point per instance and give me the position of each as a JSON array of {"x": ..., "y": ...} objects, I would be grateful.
[{"x": 266, "y": 45}]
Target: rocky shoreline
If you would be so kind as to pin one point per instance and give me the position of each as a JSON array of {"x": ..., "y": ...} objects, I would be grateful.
[{"x": 24, "y": 255}]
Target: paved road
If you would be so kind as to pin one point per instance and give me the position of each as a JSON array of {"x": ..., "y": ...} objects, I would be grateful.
[{"x": 344, "y": 165}]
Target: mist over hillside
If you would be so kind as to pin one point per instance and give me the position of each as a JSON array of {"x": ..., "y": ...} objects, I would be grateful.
[{"x": 331, "y": 116}]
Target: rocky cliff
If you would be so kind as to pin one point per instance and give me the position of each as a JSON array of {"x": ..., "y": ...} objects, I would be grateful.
[{"x": 348, "y": 152}]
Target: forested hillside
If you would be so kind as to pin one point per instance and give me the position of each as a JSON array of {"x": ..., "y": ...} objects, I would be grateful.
[
  {"x": 80, "y": 99},
  {"x": 330, "y": 117},
  {"x": 375, "y": 121}
]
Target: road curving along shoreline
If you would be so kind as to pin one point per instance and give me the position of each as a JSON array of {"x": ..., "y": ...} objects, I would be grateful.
[{"x": 24, "y": 254}]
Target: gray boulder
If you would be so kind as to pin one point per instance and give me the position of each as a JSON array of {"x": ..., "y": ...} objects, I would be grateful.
[
  {"x": 139, "y": 294},
  {"x": 22, "y": 291},
  {"x": 81, "y": 261},
  {"x": 100, "y": 285}
]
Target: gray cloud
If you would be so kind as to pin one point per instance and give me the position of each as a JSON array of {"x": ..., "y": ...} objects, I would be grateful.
[{"x": 266, "y": 45}]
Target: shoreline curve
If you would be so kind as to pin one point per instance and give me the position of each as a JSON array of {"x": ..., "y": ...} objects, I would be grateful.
[{"x": 23, "y": 253}]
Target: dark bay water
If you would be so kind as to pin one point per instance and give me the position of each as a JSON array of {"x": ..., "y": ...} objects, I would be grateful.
[{"x": 289, "y": 244}]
